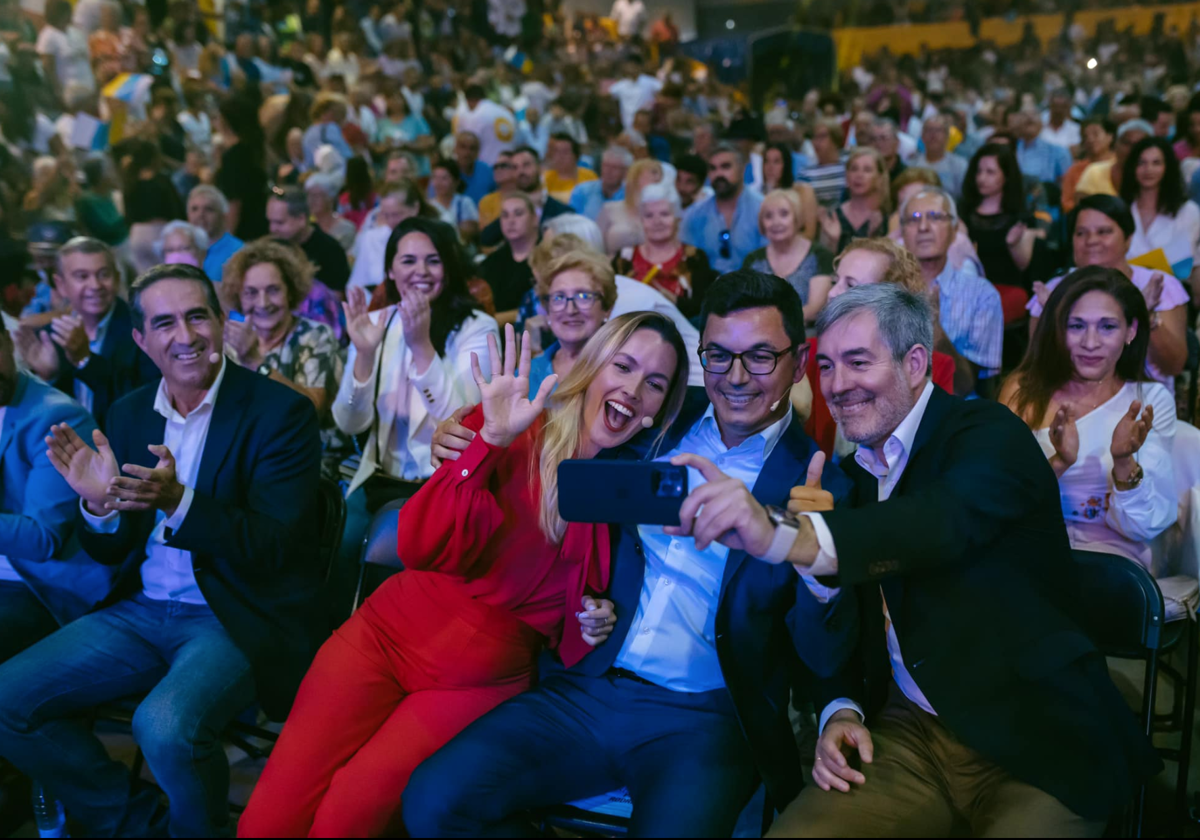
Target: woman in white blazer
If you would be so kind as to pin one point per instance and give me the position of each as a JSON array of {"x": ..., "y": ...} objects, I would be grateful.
[{"x": 409, "y": 366}]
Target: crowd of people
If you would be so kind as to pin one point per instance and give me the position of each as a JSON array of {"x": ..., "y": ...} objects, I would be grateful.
[{"x": 917, "y": 341}]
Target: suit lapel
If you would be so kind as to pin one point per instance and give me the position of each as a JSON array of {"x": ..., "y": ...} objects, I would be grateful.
[
  {"x": 228, "y": 411},
  {"x": 779, "y": 474},
  {"x": 119, "y": 328}
]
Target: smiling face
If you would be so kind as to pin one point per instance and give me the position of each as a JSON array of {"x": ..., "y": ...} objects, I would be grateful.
[
  {"x": 1097, "y": 333},
  {"x": 658, "y": 221},
  {"x": 746, "y": 403},
  {"x": 88, "y": 282},
  {"x": 574, "y": 325},
  {"x": 417, "y": 267},
  {"x": 631, "y": 386},
  {"x": 178, "y": 247},
  {"x": 868, "y": 391},
  {"x": 926, "y": 239},
  {"x": 1150, "y": 168},
  {"x": 181, "y": 333},
  {"x": 779, "y": 223},
  {"x": 859, "y": 267},
  {"x": 1099, "y": 240},
  {"x": 264, "y": 298}
]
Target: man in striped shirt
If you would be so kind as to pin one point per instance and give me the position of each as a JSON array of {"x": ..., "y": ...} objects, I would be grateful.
[
  {"x": 828, "y": 174},
  {"x": 969, "y": 326}
]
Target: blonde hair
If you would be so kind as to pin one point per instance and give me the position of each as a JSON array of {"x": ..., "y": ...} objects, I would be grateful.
[
  {"x": 564, "y": 252},
  {"x": 789, "y": 197},
  {"x": 903, "y": 268},
  {"x": 913, "y": 175},
  {"x": 562, "y": 435},
  {"x": 633, "y": 195},
  {"x": 882, "y": 184},
  {"x": 294, "y": 268}
]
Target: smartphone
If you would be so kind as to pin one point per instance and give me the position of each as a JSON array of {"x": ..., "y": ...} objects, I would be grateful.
[
  {"x": 621, "y": 492},
  {"x": 234, "y": 315}
]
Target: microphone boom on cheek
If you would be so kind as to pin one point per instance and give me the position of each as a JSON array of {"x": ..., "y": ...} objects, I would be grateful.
[
  {"x": 647, "y": 422},
  {"x": 213, "y": 358}
]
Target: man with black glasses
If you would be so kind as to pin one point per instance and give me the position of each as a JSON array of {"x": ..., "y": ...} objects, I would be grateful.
[
  {"x": 686, "y": 705},
  {"x": 725, "y": 225}
]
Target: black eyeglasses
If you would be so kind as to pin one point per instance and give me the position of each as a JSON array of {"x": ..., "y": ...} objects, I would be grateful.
[
  {"x": 584, "y": 301},
  {"x": 725, "y": 251},
  {"x": 757, "y": 362},
  {"x": 934, "y": 217}
]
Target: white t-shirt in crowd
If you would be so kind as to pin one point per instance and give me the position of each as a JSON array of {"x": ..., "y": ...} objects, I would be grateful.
[
  {"x": 493, "y": 124},
  {"x": 70, "y": 52},
  {"x": 630, "y": 16},
  {"x": 633, "y": 95},
  {"x": 1066, "y": 136}
]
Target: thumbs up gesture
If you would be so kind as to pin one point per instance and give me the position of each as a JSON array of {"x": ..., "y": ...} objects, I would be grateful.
[{"x": 811, "y": 498}]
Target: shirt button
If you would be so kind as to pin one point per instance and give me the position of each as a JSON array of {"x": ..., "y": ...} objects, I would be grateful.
[{"x": 465, "y": 473}]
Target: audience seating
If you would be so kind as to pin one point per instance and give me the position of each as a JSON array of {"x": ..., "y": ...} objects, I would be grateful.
[{"x": 379, "y": 558}]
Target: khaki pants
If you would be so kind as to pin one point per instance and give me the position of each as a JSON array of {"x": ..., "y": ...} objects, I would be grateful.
[{"x": 924, "y": 783}]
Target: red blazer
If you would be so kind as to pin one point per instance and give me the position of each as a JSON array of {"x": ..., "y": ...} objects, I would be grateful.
[
  {"x": 821, "y": 426},
  {"x": 476, "y": 520}
]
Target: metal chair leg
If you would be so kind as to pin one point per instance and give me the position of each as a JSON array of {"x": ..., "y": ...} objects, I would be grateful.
[{"x": 1148, "y": 695}]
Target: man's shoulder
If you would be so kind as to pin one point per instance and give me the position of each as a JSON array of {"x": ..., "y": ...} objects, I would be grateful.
[
  {"x": 264, "y": 397},
  {"x": 45, "y": 405}
]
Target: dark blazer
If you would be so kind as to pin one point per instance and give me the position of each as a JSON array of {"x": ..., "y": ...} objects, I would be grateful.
[
  {"x": 766, "y": 614},
  {"x": 491, "y": 236},
  {"x": 971, "y": 552},
  {"x": 117, "y": 369},
  {"x": 252, "y": 525}
]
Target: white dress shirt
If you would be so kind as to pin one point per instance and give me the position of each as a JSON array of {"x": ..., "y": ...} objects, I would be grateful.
[
  {"x": 167, "y": 574},
  {"x": 887, "y": 469},
  {"x": 672, "y": 640},
  {"x": 7, "y": 572}
]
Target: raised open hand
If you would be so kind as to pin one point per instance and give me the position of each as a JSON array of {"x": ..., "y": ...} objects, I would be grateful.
[
  {"x": 365, "y": 333},
  {"x": 1064, "y": 437},
  {"x": 507, "y": 409},
  {"x": 1041, "y": 291},
  {"x": 89, "y": 472},
  {"x": 1131, "y": 431},
  {"x": 415, "y": 315},
  {"x": 1153, "y": 291}
]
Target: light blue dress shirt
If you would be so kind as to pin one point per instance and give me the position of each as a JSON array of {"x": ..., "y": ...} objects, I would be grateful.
[
  {"x": 480, "y": 182},
  {"x": 672, "y": 641},
  {"x": 1045, "y": 162},
  {"x": 703, "y": 225},
  {"x": 972, "y": 318},
  {"x": 587, "y": 198},
  {"x": 540, "y": 368}
]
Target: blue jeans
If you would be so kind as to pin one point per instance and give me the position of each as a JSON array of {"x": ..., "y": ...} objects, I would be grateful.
[
  {"x": 195, "y": 681},
  {"x": 688, "y": 767},
  {"x": 23, "y": 619}
]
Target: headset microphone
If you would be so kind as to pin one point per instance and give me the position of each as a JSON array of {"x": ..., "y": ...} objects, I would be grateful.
[
  {"x": 786, "y": 395},
  {"x": 214, "y": 358},
  {"x": 647, "y": 422}
]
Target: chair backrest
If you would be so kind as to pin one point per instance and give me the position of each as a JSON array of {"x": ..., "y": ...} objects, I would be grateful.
[
  {"x": 333, "y": 521},
  {"x": 1119, "y": 603},
  {"x": 379, "y": 558},
  {"x": 1186, "y": 457}
]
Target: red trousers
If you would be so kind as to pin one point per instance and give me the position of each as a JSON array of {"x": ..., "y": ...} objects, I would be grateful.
[{"x": 409, "y": 671}]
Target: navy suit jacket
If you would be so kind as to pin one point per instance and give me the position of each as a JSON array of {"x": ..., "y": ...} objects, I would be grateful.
[
  {"x": 251, "y": 528},
  {"x": 38, "y": 507},
  {"x": 766, "y": 617},
  {"x": 971, "y": 552},
  {"x": 117, "y": 369}
]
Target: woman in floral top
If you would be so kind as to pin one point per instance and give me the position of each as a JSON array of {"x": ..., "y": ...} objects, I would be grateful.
[{"x": 262, "y": 286}]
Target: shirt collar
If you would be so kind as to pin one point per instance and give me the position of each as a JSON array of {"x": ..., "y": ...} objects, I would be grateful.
[
  {"x": 162, "y": 400},
  {"x": 948, "y": 276},
  {"x": 901, "y": 440},
  {"x": 769, "y": 436}
]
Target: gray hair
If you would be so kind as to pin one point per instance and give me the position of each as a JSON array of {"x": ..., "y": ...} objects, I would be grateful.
[
  {"x": 210, "y": 192},
  {"x": 905, "y": 320},
  {"x": 618, "y": 155},
  {"x": 85, "y": 245},
  {"x": 662, "y": 191},
  {"x": 1135, "y": 125},
  {"x": 578, "y": 225},
  {"x": 197, "y": 235},
  {"x": 726, "y": 149},
  {"x": 947, "y": 202}
]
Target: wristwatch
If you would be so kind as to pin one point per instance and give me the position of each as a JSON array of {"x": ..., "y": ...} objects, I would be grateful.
[
  {"x": 1135, "y": 478},
  {"x": 787, "y": 528}
]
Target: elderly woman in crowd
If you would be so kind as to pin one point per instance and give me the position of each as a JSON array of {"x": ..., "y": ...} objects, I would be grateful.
[
  {"x": 864, "y": 213},
  {"x": 1107, "y": 431},
  {"x": 806, "y": 265},
  {"x": 778, "y": 173},
  {"x": 507, "y": 269},
  {"x": 680, "y": 272},
  {"x": 577, "y": 289},
  {"x": 620, "y": 221},
  {"x": 181, "y": 242},
  {"x": 262, "y": 286},
  {"x": 1102, "y": 227}
]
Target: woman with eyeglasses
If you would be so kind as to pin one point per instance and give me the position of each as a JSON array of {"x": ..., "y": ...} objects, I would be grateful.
[{"x": 577, "y": 290}]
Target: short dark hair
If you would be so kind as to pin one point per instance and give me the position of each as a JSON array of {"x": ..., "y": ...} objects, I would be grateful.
[
  {"x": 1110, "y": 206},
  {"x": 295, "y": 198},
  {"x": 527, "y": 150},
  {"x": 563, "y": 137},
  {"x": 1106, "y": 125},
  {"x": 474, "y": 91},
  {"x": 455, "y": 173},
  {"x": 177, "y": 271},
  {"x": 86, "y": 245},
  {"x": 693, "y": 165},
  {"x": 746, "y": 289}
]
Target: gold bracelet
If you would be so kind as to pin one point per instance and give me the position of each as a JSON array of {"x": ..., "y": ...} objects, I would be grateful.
[{"x": 1134, "y": 480}]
